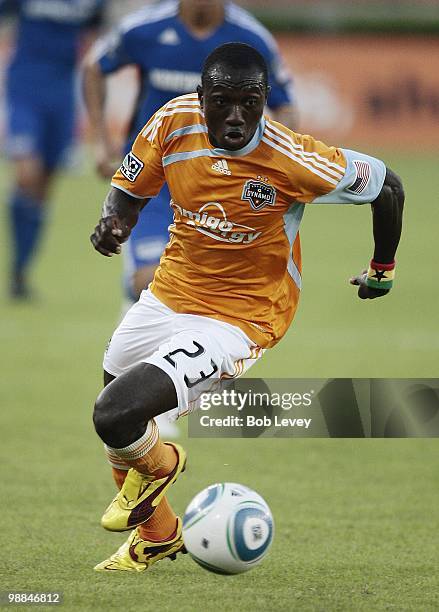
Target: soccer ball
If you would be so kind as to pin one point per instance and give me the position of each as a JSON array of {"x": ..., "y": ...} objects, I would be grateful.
[{"x": 228, "y": 528}]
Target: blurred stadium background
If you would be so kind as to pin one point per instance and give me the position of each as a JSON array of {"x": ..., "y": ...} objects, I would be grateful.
[{"x": 356, "y": 520}]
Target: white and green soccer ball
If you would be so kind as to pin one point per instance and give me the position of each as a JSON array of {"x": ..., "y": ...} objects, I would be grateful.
[{"x": 228, "y": 528}]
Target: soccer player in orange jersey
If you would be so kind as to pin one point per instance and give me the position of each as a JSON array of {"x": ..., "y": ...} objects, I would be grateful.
[{"x": 228, "y": 284}]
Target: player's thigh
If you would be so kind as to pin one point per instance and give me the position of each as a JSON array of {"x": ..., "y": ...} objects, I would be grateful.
[
  {"x": 59, "y": 127},
  {"x": 24, "y": 147},
  {"x": 24, "y": 130},
  {"x": 150, "y": 234},
  {"x": 201, "y": 353},
  {"x": 147, "y": 325}
]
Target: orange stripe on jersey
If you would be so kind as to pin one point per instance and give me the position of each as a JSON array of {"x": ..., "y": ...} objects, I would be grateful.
[{"x": 234, "y": 252}]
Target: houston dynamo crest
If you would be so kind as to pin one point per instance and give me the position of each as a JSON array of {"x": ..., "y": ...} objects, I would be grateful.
[{"x": 259, "y": 194}]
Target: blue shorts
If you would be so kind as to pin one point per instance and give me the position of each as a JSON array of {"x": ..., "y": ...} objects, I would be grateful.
[
  {"x": 40, "y": 123},
  {"x": 149, "y": 236}
]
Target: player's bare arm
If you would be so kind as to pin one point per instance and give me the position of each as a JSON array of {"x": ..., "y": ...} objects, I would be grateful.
[
  {"x": 119, "y": 215},
  {"x": 387, "y": 211},
  {"x": 107, "y": 153}
]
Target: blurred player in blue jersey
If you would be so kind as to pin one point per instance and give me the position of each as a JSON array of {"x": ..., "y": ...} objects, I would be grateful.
[
  {"x": 40, "y": 109},
  {"x": 168, "y": 42}
]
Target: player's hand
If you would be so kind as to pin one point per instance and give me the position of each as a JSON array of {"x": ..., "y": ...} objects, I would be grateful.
[
  {"x": 364, "y": 291},
  {"x": 109, "y": 234},
  {"x": 107, "y": 159}
]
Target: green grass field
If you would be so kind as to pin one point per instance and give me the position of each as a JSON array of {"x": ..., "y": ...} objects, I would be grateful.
[{"x": 356, "y": 520}]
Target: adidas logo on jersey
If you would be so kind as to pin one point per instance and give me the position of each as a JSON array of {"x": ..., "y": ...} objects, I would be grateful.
[
  {"x": 169, "y": 37},
  {"x": 221, "y": 166}
]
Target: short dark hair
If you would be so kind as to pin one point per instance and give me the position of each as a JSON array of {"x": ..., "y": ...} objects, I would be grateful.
[{"x": 237, "y": 56}]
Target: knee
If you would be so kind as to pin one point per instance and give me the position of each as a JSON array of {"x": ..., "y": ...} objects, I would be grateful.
[
  {"x": 105, "y": 417},
  {"x": 125, "y": 406},
  {"x": 31, "y": 180},
  {"x": 122, "y": 410}
]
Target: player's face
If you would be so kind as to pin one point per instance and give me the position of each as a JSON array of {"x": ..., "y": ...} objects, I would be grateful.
[{"x": 233, "y": 103}]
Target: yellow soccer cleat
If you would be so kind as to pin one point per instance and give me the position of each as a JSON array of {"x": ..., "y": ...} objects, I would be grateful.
[
  {"x": 139, "y": 496},
  {"x": 137, "y": 555}
]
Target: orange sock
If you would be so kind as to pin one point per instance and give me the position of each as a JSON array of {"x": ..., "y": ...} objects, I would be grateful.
[
  {"x": 119, "y": 476},
  {"x": 161, "y": 525},
  {"x": 159, "y": 461}
]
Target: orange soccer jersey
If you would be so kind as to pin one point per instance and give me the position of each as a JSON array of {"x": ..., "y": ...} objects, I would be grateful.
[{"x": 234, "y": 249}]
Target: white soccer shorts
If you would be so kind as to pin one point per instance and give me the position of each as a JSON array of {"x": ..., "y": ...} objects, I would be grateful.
[{"x": 195, "y": 351}]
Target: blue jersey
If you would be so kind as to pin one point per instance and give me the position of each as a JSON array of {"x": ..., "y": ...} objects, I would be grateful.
[
  {"x": 48, "y": 36},
  {"x": 40, "y": 79},
  {"x": 170, "y": 58}
]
